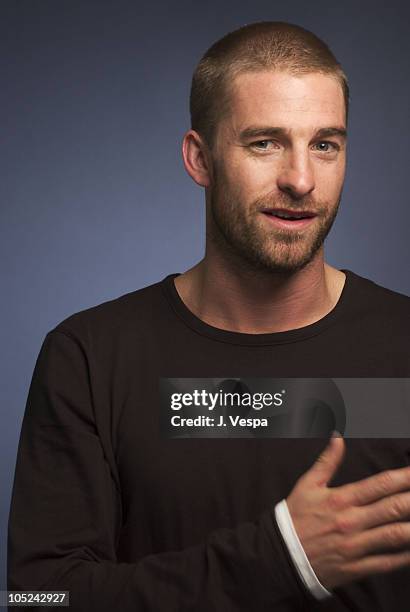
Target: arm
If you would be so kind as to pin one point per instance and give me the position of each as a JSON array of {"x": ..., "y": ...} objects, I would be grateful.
[{"x": 65, "y": 518}]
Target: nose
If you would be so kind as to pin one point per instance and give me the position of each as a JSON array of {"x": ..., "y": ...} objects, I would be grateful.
[{"x": 296, "y": 176}]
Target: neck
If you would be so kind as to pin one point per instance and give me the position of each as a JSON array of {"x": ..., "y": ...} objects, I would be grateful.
[{"x": 253, "y": 302}]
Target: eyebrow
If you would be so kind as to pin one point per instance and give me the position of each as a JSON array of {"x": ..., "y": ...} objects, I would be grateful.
[{"x": 257, "y": 131}]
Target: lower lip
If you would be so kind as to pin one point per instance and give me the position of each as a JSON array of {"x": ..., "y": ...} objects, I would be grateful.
[{"x": 287, "y": 224}]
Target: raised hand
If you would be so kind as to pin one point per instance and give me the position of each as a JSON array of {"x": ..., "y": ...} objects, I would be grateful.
[{"x": 354, "y": 530}]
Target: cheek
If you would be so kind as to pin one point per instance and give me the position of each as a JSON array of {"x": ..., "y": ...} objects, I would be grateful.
[
  {"x": 329, "y": 182},
  {"x": 249, "y": 179}
]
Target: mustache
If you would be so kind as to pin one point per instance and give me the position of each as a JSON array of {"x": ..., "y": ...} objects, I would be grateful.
[{"x": 280, "y": 201}]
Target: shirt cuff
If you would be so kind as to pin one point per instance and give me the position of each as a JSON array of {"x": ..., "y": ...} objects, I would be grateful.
[{"x": 305, "y": 570}]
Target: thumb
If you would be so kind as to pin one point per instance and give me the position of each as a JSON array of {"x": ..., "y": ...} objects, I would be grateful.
[{"x": 326, "y": 465}]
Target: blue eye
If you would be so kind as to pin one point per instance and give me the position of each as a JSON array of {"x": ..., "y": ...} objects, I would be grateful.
[
  {"x": 258, "y": 144},
  {"x": 263, "y": 145},
  {"x": 327, "y": 143}
]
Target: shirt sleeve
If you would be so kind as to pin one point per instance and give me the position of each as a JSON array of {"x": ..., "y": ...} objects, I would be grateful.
[
  {"x": 297, "y": 552},
  {"x": 65, "y": 518}
]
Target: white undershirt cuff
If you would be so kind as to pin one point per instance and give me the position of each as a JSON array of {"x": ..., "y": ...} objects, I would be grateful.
[{"x": 296, "y": 551}]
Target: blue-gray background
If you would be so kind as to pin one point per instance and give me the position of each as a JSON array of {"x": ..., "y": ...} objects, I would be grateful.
[{"x": 95, "y": 201}]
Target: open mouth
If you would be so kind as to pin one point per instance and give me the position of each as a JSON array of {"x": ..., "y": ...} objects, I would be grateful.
[
  {"x": 287, "y": 219},
  {"x": 289, "y": 215}
]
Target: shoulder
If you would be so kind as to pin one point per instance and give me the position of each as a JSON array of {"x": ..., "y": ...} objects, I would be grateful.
[
  {"x": 118, "y": 316},
  {"x": 377, "y": 307},
  {"x": 365, "y": 289}
]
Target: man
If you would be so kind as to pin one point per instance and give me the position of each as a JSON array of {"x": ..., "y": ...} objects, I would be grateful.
[{"x": 122, "y": 517}]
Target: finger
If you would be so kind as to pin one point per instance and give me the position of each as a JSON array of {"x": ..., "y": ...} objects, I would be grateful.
[
  {"x": 386, "y": 510},
  {"x": 327, "y": 463},
  {"x": 376, "y": 487},
  {"x": 377, "y": 564},
  {"x": 378, "y": 540}
]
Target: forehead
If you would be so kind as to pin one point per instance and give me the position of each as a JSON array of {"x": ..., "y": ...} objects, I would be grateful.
[{"x": 275, "y": 98}]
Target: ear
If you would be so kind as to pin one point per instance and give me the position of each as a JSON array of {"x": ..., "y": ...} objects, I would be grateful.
[{"x": 196, "y": 156}]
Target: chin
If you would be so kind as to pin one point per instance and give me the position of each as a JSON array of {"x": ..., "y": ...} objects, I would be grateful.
[
  {"x": 285, "y": 263},
  {"x": 287, "y": 267}
]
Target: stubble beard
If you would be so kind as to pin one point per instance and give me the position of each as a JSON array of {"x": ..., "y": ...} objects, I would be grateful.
[{"x": 244, "y": 235}]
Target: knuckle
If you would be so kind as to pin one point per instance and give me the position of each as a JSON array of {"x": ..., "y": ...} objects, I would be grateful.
[
  {"x": 335, "y": 501},
  {"x": 387, "y": 564},
  {"x": 396, "y": 510},
  {"x": 385, "y": 481},
  {"x": 395, "y": 535},
  {"x": 343, "y": 525}
]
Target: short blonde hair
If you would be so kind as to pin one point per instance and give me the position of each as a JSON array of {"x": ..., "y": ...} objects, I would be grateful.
[{"x": 273, "y": 45}]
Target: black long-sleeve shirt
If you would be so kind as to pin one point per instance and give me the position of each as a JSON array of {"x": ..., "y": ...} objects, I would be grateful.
[{"x": 126, "y": 519}]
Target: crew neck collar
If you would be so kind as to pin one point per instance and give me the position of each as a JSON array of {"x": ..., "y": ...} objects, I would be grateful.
[{"x": 232, "y": 337}]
